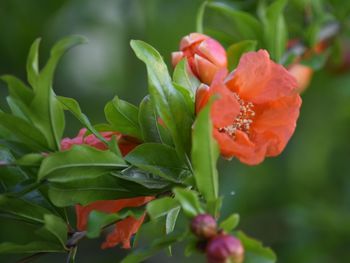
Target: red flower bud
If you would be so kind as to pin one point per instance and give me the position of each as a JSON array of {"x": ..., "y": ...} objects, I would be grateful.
[
  {"x": 225, "y": 249},
  {"x": 204, "y": 54},
  {"x": 204, "y": 226}
]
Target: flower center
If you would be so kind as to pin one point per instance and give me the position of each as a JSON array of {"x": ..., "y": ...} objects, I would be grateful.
[{"x": 244, "y": 119}]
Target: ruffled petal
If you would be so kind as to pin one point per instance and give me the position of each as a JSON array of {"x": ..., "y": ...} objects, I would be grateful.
[
  {"x": 123, "y": 232},
  {"x": 259, "y": 80},
  {"x": 240, "y": 147},
  {"x": 225, "y": 107},
  {"x": 275, "y": 123}
]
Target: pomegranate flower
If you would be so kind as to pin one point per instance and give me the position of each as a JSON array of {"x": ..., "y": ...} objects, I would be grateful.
[
  {"x": 205, "y": 56},
  {"x": 257, "y": 108},
  {"x": 124, "y": 228}
]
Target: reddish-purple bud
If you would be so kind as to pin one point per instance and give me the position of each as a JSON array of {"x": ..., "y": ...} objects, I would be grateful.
[
  {"x": 204, "y": 226},
  {"x": 225, "y": 249},
  {"x": 204, "y": 54}
]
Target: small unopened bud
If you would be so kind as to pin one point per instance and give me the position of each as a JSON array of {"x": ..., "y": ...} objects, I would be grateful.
[
  {"x": 205, "y": 56},
  {"x": 225, "y": 249},
  {"x": 204, "y": 226}
]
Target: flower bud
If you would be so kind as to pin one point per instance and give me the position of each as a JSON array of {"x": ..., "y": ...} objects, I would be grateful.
[
  {"x": 205, "y": 56},
  {"x": 225, "y": 249},
  {"x": 302, "y": 74},
  {"x": 204, "y": 226}
]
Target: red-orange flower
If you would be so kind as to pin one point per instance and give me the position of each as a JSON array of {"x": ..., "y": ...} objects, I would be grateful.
[
  {"x": 256, "y": 112},
  {"x": 124, "y": 228},
  {"x": 205, "y": 56}
]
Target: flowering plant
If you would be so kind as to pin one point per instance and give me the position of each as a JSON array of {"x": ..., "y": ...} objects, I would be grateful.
[{"x": 152, "y": 164}]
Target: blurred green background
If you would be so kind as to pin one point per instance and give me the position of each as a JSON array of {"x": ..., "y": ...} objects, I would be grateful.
[{"x": 298, "y": 203}]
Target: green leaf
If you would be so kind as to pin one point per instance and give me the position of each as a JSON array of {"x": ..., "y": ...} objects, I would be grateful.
[
  {"x": 157, "y": 245},
  {"x": 254, "y": 250},
  {"x": 143, "y": 178},
  {"x": 81, "y": 161},
  {"x": 161, "y": 207},
  {"x": 230, "y": 223},
  {"x": 200, "y": 16},
  {"x": 85, "y": 191},
  {"x": 189, "y": 201},
  {"x": 158, "y": 159},
  {"x": 229, "y": 25},
  {"x": 23, "y": 132},
  {"x": 235, "y": 51},
  {"x": 186, "y": 79},
  {"x": 31, "y": 247},
  {"x": 148, "y": 121},
  {"x": 123, "y": 117},
  {"x": 48, "y": 114},
  {"x": 33, "y": 63},
  {"x": 31, "y": 159},
  {"x": 73, "y": 106},
  {"x": 275, "y": 29},
  {"x": 167, "y": 100},
  {"x": 205, "y": 152},
  {"x": 98, "y": 220},
  {"x": 56, "y": 226},
  {"x": 17, "y": 89},
  {"x": 22, "y": 209}
]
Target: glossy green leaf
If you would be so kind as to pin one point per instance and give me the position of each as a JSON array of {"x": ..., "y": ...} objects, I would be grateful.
[
  {"x": 161, "y": 207},
  {"x": 200, "y": 16},
  {"x": 143, "y": 178},
  {"x": 229, "y": 25},
  {"x": 33, "y": 63},
  {"x": 73, "y": 106},
  {"x": 47, "y": 112},
  {"x": 17, "y": 89},
  {"x": 98, "y": 220},
  {"x": 158, "y": 159},
  {"x": 189, "y": 201},
  {"x": 23, "y": 132},
  {"x": 57, "y": 227},
  {"x": 123, "y": 117},
  {"x": 31, "y": 159},
  {"x": 235, "y": 51},
  {"x": 275, "y": 29},
  {"x": 148, "y": 121},
  {"x": 185, "y": 78},
  {"x": 205, "y": 153},
  {"x": 255, "y": 252},
  {"x": 81, "y": 161},
  {"x": 167, "y": 100},
  {"x": 85, "y": 191},
  {"x": 230, "y": 223},
  {"x": 22, "y": 209}
]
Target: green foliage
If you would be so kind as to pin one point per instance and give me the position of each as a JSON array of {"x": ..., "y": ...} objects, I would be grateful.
[
  {"x": 189, "y": 201},
  {"x": 230, "y": 223},
  {"x": 205, "y": 153},
  {"x": 77, "y": 163},
  {"x": 159, "y": 159},
  {"x": 235, "y": 51},
  {"x": 167, "y": 100},
  {"x": 254, "y": 250},
  {"x": 275, "y": 29},
  {"x": 186, "y": 79},
  {"x": 123, "y": 117}
]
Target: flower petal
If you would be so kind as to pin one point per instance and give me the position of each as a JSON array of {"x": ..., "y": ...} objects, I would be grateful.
[
  {"x": 275, "y": 123},
  {"x": 123, "y": 232},
  {"x": 214, "y": 52},
  {"x": 258, "y": 79}
]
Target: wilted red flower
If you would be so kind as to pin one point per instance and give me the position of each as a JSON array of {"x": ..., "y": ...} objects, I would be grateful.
[
  {"x": 124, "y": 228},
  {"x": 205, "y": 56},
  {"x": 256, "y": 112}
]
